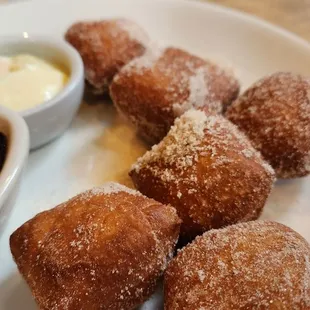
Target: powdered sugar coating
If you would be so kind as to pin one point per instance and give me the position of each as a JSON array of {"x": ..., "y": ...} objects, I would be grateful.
[
  {"x": 105, "y": 46},
  {"x": 208, "y": 171},
  {"x": 254, "y": 265},
  {"x": 135, "y": 32},
  {"x": 164, "y": 83},
  {"x": 145, "y": 61},
  {"x": 199, "y": 90},
  {"x": 109, "y": 188},
  {"x": 100, "y": 250},
  {"x": 275, "y": 114}
]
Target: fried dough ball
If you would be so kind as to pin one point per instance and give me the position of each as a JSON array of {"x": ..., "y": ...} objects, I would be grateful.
[
  {"x": 105, "y": 46},
  {"x": 207, "y": 169},
  {"x": 103, "y": 249},
  {"x": 154, "y": 89},
  {"x": 275, "y": 114},
  {"x": 254, "y": 265}
]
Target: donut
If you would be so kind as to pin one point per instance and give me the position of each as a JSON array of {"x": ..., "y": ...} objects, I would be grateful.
[
  {"x": 208, "y": 170},
  {"x": 103, "y": 249},
  {"x": 105, "y": 46},
  {"x": 275, "y": 114},
  {"x": 154, "y": 89},
  {"x": 254, "y": 265}
]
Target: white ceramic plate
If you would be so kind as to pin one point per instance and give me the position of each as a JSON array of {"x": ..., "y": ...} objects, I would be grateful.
[{"x": 99, "y": 147}]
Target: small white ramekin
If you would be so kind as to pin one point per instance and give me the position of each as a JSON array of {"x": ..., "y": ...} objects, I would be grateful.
[
  {"x": 15, "y": 129},
  {"x": 50, "y": 119}
]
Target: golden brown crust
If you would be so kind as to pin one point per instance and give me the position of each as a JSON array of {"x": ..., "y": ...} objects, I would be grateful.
[
  {"x": 255, "y": 265},
  {"x": 105, "y": 46},
  {"x": 162, "y": 84},
  {"x": 208, "y": 171},
  {"x": 103, "y": 249},
  {"x": 275, "y": 114}
]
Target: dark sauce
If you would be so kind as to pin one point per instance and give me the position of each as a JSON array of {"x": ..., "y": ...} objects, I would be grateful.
[{"x": 3, "y": 149}]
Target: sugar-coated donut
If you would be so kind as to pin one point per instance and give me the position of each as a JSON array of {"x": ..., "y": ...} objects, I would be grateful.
[
  {"x": 256, "y": 265},
  {"x": 154, "y": 89},
  {"x": 105, "y": 46},
  {"x": 103, "y": 249},
  {"x": 208, "y": 170},
  {"x": 275, "y": 114}
]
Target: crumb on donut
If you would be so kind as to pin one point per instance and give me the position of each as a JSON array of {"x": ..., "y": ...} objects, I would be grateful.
[
  {"x": 103, "y": 249},
  {"x": 208, "y": 170},
  {"x": 154, "y": 89},
  {"x": 254, "y": 265},
  {"x": 275, "y": 115},
  {"x": 105, "y": 46}
]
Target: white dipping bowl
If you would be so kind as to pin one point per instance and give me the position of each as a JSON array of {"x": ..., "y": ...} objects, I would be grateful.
[
  {"x": 50, "y": 119},
  {"x": 15, "y": 129}
]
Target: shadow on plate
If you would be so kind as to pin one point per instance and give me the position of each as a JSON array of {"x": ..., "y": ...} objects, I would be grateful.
[
  {"x": 283, "y": 198},
  {"x": 15, "y": 294},
  {"x": 109, "y": 148},
  {"x": 156, "y": 301}
]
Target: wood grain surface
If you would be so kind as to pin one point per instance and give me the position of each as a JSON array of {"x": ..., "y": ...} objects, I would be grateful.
[{"x": 293, "y": 15}]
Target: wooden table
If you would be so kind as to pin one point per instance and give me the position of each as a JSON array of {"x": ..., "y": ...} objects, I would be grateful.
[{"x": 293, "y": 15}]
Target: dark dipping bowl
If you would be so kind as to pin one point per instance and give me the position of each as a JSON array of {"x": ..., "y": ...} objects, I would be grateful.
[
  {"x": 3, "y": 149},
  {"x": 14, "y": 149}
]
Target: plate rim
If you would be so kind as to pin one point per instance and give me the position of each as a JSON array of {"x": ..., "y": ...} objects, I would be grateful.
[{"x": 238, "y": 14}]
